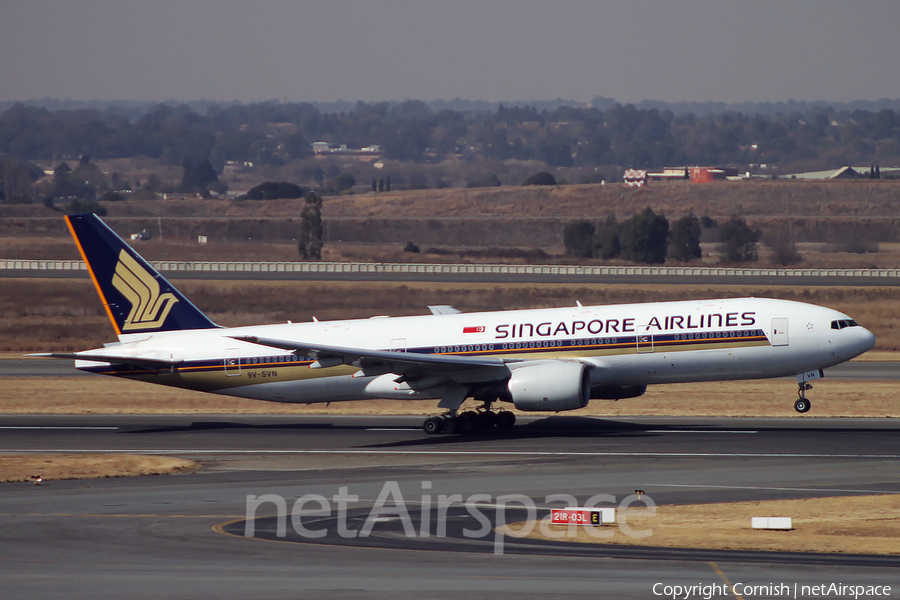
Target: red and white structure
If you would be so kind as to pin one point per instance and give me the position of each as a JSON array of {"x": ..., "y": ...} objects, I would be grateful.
[{"x": 635, "y": 177}]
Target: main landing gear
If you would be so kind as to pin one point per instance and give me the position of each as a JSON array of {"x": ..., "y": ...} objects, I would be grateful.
[
  {"x": 470, "y": 421},
  {"x": 802, "y": 404}
]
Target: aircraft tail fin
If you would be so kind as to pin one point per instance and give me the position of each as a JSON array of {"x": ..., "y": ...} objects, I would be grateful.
[{"x": 136, "y": 297}]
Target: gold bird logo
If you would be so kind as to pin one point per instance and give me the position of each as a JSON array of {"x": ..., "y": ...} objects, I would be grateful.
[{"x": 149, "y": 308}]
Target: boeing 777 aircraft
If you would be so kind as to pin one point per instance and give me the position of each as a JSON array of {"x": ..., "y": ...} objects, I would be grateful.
[{"x": 539, "y": 360}]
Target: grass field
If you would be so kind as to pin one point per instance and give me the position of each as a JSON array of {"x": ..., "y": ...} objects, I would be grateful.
[
  {"x": 22, "y": 467},
  {"x": 772, "y": 398},
  {"x": 39, "y": 315},
  {"x": 846, "y": 525}
]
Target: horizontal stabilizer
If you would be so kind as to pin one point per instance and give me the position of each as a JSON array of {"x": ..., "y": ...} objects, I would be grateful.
[{"x": 131, "y": 361}]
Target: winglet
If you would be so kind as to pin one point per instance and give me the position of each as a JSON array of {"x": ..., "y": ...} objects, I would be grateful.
[{"x": 136, "y": 297}]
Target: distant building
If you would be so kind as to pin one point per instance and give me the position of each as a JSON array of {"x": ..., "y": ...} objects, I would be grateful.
[
  {"x": 325, "y": 148},
  {"x": 708, "y": 174},
  {"x": 237, "y": 166},
  {"x": 842, "y": 173},
  {"x": 321, "y": 148},
  {"x": 670, "y": 174},
  {"x": 635, "y": 177}
]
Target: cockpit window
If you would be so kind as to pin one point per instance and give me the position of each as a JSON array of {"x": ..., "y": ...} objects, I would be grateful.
[{"x": 841, "y": 323}]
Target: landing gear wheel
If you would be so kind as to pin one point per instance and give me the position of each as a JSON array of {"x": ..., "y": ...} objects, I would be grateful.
[
  {"x": 486, "y": 419},
  {"x": 467, "y": 423},
  {"x": 802, "y": 405},
  {"x": 505, "y": 420},
  {"x": 433, "y": 425},
  {"x": 451, "y": 425}
]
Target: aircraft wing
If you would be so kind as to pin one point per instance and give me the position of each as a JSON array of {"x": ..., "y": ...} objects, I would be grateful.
[
  {"x": 131, "y": 361},
  {"x": 408, "y": 365}
]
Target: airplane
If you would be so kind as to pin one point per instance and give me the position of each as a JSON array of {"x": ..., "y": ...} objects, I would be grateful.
[{"x": 553, "y": 359}]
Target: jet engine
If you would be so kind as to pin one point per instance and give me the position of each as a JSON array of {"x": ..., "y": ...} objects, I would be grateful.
[
  {"x": 617, "y": 392},
  {"x": 552, "y": 385}
]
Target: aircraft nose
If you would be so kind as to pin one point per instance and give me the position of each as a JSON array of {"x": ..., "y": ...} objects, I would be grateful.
[{"x": 866, "y": 340}]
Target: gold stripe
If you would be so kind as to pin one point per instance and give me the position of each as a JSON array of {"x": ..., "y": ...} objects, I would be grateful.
[{"x": 90, "y": 269}]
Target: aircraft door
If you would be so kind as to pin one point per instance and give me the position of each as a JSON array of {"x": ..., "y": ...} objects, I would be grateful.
[
  {"x": 780, "y": 331},
  {"x": 398, "y": 345},
  {"x": 232, "y": 361},
  {"x": 644, "y": 340}
]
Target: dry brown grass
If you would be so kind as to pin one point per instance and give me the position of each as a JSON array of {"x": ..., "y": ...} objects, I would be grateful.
[
  {"x": 65, "y": 315},
  {"x": 829, "y": 212},
  {"x": 771, "y": 398},
  {"x": 88, "y": 466},
  {"x": 846, "y": 525},
  {"x": 760, "y": 198}
]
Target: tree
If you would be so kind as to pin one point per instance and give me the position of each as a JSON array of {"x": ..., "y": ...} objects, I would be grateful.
[
  {"x": 542, "y": 178},
  {"x": 61, "y": 184},
  {"x": 606, "y": 239},
  {"x": 112, "y": 196},
  {"x": 310, "y": 240},
  {"x": 738, "y": 241},
  {"x": 343, "y": 182},
  {"x": 88, "y": 173},
  {"x": 490, "y": 180},
  {"x": 197, "y": 180},
  {"x": 781, "y": 243},
  {"x": 578, "y": 237},
  {"x": 275, "y": 190},
  {"x": 644, "y": 238},
  {"x": 684, "y": 240}
]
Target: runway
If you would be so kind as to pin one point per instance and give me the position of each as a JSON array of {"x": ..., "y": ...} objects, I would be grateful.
[{"x": 183, "y": 535}]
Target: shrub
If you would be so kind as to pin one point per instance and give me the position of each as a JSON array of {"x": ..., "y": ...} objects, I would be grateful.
[
  {"x": 738, "y": 241},
  {"x": 644, "y": 238},
  {"x": 578, "y": 239},
  {"x": 607, "y": 244},
  {"x": 275, "y": 190},
  {"x": 542, "y": 178},
  {"x": 684, "y": 241}
]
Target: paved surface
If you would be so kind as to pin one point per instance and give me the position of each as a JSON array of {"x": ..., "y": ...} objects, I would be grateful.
[{"x": 183, "y": 536}]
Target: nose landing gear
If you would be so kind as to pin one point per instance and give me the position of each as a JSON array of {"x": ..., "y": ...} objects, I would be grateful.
[{"x": 802, "y": 404}]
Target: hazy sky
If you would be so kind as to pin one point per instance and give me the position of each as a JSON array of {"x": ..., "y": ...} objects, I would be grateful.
[{"x": 372, "y": 50}]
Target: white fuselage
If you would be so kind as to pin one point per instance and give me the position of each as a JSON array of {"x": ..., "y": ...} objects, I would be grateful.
[{"x": 624, "y": 345}]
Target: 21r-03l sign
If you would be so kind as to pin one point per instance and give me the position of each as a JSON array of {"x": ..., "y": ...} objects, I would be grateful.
[{"x": 582, "y": 516}]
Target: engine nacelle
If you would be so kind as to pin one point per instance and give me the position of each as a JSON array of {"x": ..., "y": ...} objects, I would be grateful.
[
  {"x": 617, "y": 392},
  {"x": 552, "y": 386}
]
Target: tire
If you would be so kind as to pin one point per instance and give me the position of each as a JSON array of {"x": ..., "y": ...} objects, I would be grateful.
[
  {"x": 505, "y": 420},
  {"x": 450, "y": 425},
  {"x": 802, "y": 405},
  {"x": 486, "y": 420},
  {"x": 467, "y": 426},
  {"x": 433, "y": 425}
]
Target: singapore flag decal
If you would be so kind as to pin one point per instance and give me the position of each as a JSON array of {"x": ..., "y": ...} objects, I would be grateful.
[{"x": 478, "y": 329}]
